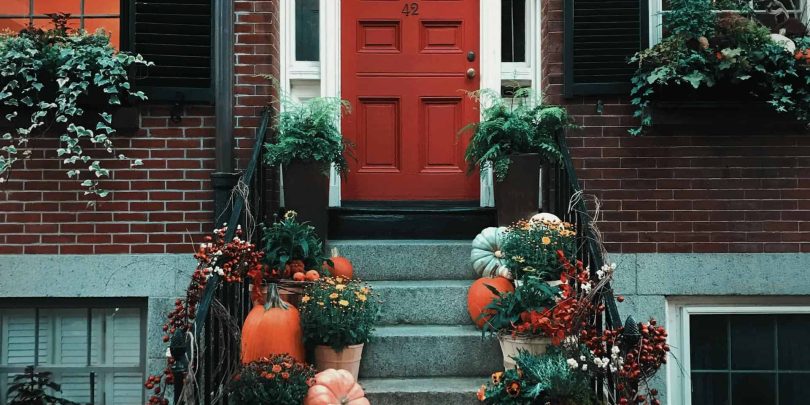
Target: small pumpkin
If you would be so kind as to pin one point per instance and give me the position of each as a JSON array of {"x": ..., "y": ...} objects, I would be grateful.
[
  {"x": 486, "y": 256},
  {"x": 335, "y": 387},
  {"x": 479, "y": 296},
  {"x": 546, "y": 218},
  {"x": 341, "y": 266},
  {"x": 272, "y": 328}
]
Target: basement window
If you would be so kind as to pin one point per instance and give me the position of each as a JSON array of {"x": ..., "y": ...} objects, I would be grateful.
[
  {"x": 749, "y": 359},
  {"x": 95, "y": 351}
]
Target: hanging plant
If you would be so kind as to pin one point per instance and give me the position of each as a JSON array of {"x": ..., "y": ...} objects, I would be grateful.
[{"x": 46, "y": 77}]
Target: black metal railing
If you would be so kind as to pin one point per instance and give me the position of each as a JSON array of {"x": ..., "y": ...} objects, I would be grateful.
[
  {"x": 563, "y": 196},
  {"x": 212, "y": 356}
]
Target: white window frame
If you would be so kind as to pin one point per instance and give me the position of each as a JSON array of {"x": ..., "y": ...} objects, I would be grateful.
[
  {"x": 525, "y": 72},
  {"x": 679, "y": 311},
  {"x": 293, "y": 68}
]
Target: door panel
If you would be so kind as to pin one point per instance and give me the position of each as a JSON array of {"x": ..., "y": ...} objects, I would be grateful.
[{"x": 404, "y": 69}]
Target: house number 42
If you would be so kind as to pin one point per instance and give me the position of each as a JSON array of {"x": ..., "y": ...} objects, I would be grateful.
[{"x": 410, "y": 9}]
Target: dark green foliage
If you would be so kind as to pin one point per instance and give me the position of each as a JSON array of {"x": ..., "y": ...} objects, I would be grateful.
[
  {"x": 544, "y": 379},
  {"x": 45, "y": 77},
  {"x": 706, "y": 49},
  {"x": 530, "y": 248},
  {"x": 521, "y": 124},
  {"x": 279, "y": 380},
  {"x": 288, "y": 239},
  {"x": 532, "y": 294},
  {"x": 33, "y": 387},
  {"x": 310, "y": 131}
]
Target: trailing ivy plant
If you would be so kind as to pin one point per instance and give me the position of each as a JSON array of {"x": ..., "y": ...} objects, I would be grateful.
[
  {"x": 706, "y": 48},
  {"x": 309, "y": 131},
  {"x": 508, "y": 126},
  {"x": 45, "y": 79}
]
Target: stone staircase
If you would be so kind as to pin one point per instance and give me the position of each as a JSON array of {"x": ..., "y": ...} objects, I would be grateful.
[{"x": 426, "y": 349}]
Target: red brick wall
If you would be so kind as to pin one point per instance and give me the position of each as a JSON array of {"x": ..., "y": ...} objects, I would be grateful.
[
  {"x": 688, "y": 192},
  {"x": 161, "y": 207}
]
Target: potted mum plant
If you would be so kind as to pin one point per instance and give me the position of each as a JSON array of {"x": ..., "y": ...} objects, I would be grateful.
[
  {"x": 277, "y": 380},
  {"x": 514, "y": 137},
  {"x": 338, "y": 317},
  {"x": 307, "y": 145},
  {"x": 293, "y": 256},
  {"x": 69, "y": 83},
  {"x": 530, "y": 247}
]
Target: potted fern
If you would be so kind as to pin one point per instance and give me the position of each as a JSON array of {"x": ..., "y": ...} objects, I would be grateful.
[
  {"x": 514, "y": 137},
  {"x": 307, "y": 145}
]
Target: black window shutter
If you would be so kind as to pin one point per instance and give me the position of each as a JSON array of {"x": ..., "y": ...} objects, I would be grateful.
[
  {"x": 177, "y": 36},
  {"x": 600, "y": 37}
]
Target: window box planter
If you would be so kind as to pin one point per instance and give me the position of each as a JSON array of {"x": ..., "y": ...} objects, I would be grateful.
[{"x": 125, "y": 117}]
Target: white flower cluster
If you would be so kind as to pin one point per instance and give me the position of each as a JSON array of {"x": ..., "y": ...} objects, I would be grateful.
[
  {"x": 606, "y": 270},
  {"x": 586, "y": 287}
]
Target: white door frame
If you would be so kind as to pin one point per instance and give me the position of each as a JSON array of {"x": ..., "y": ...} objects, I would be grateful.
[{"x": 329, "y": 70}]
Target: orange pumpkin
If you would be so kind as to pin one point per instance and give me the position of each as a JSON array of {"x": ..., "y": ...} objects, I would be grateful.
[
  {"x": 272, "y": 328},
  {"x": 335, "y": 387},
  {"x": 341, "y": 266},
  {"x": 480, "y": 296}
]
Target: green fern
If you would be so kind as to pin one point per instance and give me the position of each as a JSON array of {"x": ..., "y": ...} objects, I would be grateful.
[{"x": 521, "y": 124}]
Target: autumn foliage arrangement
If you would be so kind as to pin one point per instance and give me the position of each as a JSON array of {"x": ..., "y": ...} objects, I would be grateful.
[{"x": 278, "y": 380}]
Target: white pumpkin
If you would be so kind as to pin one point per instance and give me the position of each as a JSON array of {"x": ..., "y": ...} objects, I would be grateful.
[
  {"x": 546, "y": 217},
  {"x": 486, "y": 256},
  {"x": 784, "y": 42}
]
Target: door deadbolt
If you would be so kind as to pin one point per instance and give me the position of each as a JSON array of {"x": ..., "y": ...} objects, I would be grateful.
[{"x": 471, "y": 56}]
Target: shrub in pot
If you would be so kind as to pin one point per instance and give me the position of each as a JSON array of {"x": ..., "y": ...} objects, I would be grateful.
[
  {"x": 47, "y": 80},
  {"x": 338, "y": 317},
  {"x": 278, "y": 380},
  {"x": 308, "y": 143},
  {"x": 514, "y": 137},
  {"x": 35, "y": 387}
]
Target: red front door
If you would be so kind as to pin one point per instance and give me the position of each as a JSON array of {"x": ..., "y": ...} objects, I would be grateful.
[{"x": 404, "y": 70}]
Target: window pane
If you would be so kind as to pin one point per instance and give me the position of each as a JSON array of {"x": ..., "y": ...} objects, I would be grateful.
[
  {"x": 75, "y": 386},
  {"x": 794, "y": 388},
  {"x": 794, "y": 349},
  {"x": 709, "y": 342},
  {"x": 102, "y": 7},
  {"x": 63, "y": 337},
  {"x": 752, "y": 342},
  {"x": 307, "y": 31},
  {"x": 13, "y": 24},
  {"x": 46, "y": 23},
  {"x": 58, "y": 6},
  {"x": 111, "y": 25},
  {"x": 709, "y": 388},
  {"x": 753, "y": 389},
  {"x": 15, "y": 7},
  {"x": 513, "y": 30},
  {"x": 127, "y": 388}
]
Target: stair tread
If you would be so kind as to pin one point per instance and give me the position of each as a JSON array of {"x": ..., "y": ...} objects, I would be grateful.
[
  {"x": 427, "y": 330},
  {"x": 389, "y": 284},
  {"x": 422, "y": 384},
  {"x": 398, "y": 242}
]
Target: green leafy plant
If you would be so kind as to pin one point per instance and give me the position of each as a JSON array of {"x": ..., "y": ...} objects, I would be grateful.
[
  {"x": 505, "y": 311},
  {"x": 45, "y": 79},
  {"x": 310, "y": 131},
  {"x": 32, "y": 388},
  {"x": 520, "y": 124},
  {"x": 729, "y": 50},
  {"x": 287, "y": 241},
  {"x": 279, "y": 380},
  {"x": 338, "y": 312},
  {"x": 530, "y": 248},
  {"x": 543, "y": 379}
]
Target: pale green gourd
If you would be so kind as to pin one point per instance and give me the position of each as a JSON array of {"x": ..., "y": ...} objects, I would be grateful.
[{"x": 486, "y": 256}]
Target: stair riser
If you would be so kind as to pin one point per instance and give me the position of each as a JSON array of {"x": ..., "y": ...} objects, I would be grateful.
[
  {"x": 428, "y": 356},
  {"x": 441, "y": 303},
  {"x": 438, "y": 398},
  {"x": 424, "y": 260}
]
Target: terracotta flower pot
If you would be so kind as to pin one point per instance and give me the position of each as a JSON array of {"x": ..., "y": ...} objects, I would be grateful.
[
  {"x": 510, "y": 346},
  {"x": 347, "y": 359},
  {"x": 518, "y": 195}
]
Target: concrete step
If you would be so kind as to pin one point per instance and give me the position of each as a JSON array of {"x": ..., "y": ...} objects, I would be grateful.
[
  {"x": 437, "y": 302},
  {"x": 423, "y": 391},
  {"x": 429, "y": 350},
  {"x": 394, "y": 260}
]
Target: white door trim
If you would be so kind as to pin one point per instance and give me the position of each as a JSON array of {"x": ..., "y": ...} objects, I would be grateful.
[{"x": 490, "y": 65}]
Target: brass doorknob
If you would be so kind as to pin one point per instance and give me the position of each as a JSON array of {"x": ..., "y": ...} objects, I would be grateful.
[{"x": 470, "y": 73}]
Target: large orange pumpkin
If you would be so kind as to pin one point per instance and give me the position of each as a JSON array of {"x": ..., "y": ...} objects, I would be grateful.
[
  {"x": 480, "y": 296},
  {"x": 272, "y": 328},
  {"x": 335, "y": 387},
  {"x": 341, "y": 266}
]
